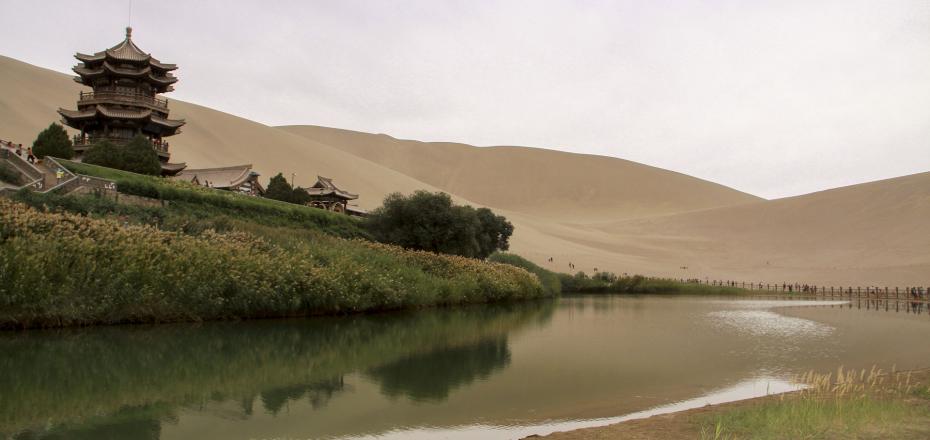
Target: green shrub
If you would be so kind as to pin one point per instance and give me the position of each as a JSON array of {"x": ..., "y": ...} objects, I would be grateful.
[
  {"x": 279, "y": 189},
  {"x": 53, "y": 141},
  {"x": 431, "y": 222},
  {"x": 136, "y": 156},
  {"x": 549, "y": 280},
  {"x": 607, "y": 282}
]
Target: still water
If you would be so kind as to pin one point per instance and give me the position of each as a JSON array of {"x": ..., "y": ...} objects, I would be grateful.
[{"x": 473, "y": 372}]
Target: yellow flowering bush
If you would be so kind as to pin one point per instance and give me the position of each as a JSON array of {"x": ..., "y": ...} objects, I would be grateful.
[{"x": 59, "y": 269}]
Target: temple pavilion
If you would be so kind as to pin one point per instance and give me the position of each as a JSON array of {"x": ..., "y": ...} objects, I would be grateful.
[
  {"x": 237, "y": 178},
  {"x": 124, "y": 102},
  {"x": 324, "y": 194}
]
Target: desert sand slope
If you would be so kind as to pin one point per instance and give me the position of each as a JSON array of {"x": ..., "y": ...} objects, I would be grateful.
[
  {"x": 30, "y": 97},
  {"x": 874, "y": 233},
  {"x": 539, "y": 182}
]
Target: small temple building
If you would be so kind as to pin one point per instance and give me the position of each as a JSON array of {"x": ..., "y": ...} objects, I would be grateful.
[
  {"x": 124, "y": 101},
  {"x": 239, "y": 178},
  {"x": 324, "y": 194}
]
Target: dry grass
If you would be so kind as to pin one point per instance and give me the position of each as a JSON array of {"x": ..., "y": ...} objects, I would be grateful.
[{"x": 861, "y": 404}]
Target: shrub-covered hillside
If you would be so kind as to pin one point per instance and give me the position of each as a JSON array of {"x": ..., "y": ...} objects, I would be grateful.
[{"x": 59, "y": 269}]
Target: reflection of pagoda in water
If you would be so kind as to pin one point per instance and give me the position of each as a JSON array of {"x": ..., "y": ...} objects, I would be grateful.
[{"x": 124, "y": 102}]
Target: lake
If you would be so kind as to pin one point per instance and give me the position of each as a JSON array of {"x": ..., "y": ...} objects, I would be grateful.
[{"x": 490, "y": 371}]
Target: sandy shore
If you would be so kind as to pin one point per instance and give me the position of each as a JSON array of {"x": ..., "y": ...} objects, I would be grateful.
[{"x": 677, "y": 425}]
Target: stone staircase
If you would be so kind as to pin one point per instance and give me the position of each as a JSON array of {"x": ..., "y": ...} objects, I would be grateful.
[{"x": 44, "y": 176}]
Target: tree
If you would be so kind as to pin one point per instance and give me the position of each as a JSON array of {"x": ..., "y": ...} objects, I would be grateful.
[
  {"x": 53, "y": 141},
  {"x": 300, "y": 196},
  {"x": 494, "y": 233},
  {"x": 136, "y": 156},
  {"x": 429, "y": 221},
  {"x": 279, "y": 189},
  {"x": 103, "y": 153}
]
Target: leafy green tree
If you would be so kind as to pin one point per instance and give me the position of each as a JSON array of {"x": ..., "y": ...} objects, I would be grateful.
[
  {"x": 300, "y": 196},
  {"x": 494, "y": 233},
  {"x": 279, "y": 189},
  {"x": 136, "y": 156},
  {"x": 431, "y": 222},
  {"x": 105, "y": 154},
  {"x": 53, "y": 141}
]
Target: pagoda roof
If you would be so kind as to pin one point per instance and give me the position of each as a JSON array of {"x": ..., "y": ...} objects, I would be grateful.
[
  {"x": 106, "y": 67},
  {"x": 126, "y": 50},
  {"x": 91, "y": 113},
  {"x": 324, "y": 186}
]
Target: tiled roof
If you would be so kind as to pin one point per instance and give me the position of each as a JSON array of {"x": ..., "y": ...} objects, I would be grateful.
[
  {"x": 225, "y": 177},
  {"x": 126, "y": 50},
  {"x": 120, "y": 114},
  {"x": 324, "y": 186}
]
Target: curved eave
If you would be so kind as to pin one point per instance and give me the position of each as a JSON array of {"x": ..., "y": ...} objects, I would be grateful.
[
  {"x": 171, "y": 169},
  {"x": 109, "y": 113},
  {"x": 167, "y": 123},
  {"x": 162, "y": 66},
  {"x": 99, "y": 56},
  {"x": 88, "y": 72}
]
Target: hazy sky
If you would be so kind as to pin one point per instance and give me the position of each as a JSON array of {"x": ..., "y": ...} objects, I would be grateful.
[{"x": 774, "y": 98}]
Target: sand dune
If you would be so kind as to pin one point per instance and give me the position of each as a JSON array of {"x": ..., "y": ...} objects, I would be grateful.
[
  {"x": 554, "y": 184},
  {"x": 593, "y": 211}
]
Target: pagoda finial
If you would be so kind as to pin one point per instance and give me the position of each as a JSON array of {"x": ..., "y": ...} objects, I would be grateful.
[{"x": 128, "y": 32}]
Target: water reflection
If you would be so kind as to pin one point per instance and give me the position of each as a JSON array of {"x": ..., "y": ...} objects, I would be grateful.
[
  {"x": 120, "y": 382},
  {"x": 476, "y": 372},
  {"x": 431, "y": 376}
]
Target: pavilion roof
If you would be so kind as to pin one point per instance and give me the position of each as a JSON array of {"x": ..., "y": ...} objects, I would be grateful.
[
  {"x": 126, "y": 50},
  {"x": 324, "y": 186},
  {"x": 223, "y": 177}
]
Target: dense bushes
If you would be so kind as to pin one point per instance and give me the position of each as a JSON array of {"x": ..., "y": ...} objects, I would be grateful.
[
  {"x": 549, "y": 280},
  {"x": 53, "y": 141},
  {"x": 606, "y": 282},
  {"x": 136, "y": 156},
  {"x": 66, "y": 269},
  {"x": 429, "y": 221}
]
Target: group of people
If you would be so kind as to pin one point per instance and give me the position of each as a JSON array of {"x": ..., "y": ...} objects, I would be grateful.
[{"x": 18, "y": 149}]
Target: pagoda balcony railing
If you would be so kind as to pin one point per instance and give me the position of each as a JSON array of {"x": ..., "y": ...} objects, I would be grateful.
[
  {"x": 87, "y": 97},
  {"x": 86, "y": 142}
]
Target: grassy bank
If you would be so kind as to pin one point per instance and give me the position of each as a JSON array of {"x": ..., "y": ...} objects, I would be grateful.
[
  {"x": 606, "y": 282},
  {"x": 60, "y": 269},
  {"x": 609, "y": 283},
  {"x": 849, "y": 405},
  {"x": 547, "y": 278}
]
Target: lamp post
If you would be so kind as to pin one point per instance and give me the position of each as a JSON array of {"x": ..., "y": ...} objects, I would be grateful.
[{"x": 292, "y": 179}]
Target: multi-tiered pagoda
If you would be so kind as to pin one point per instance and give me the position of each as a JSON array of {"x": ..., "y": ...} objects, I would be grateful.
[{"x": 124, "y": 102}]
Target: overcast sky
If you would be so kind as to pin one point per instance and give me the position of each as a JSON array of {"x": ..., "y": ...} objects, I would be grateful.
[{"x": 775, "y": 98}]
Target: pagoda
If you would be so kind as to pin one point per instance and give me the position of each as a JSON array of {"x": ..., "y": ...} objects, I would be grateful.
[{"x": 124, "y": 102}]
